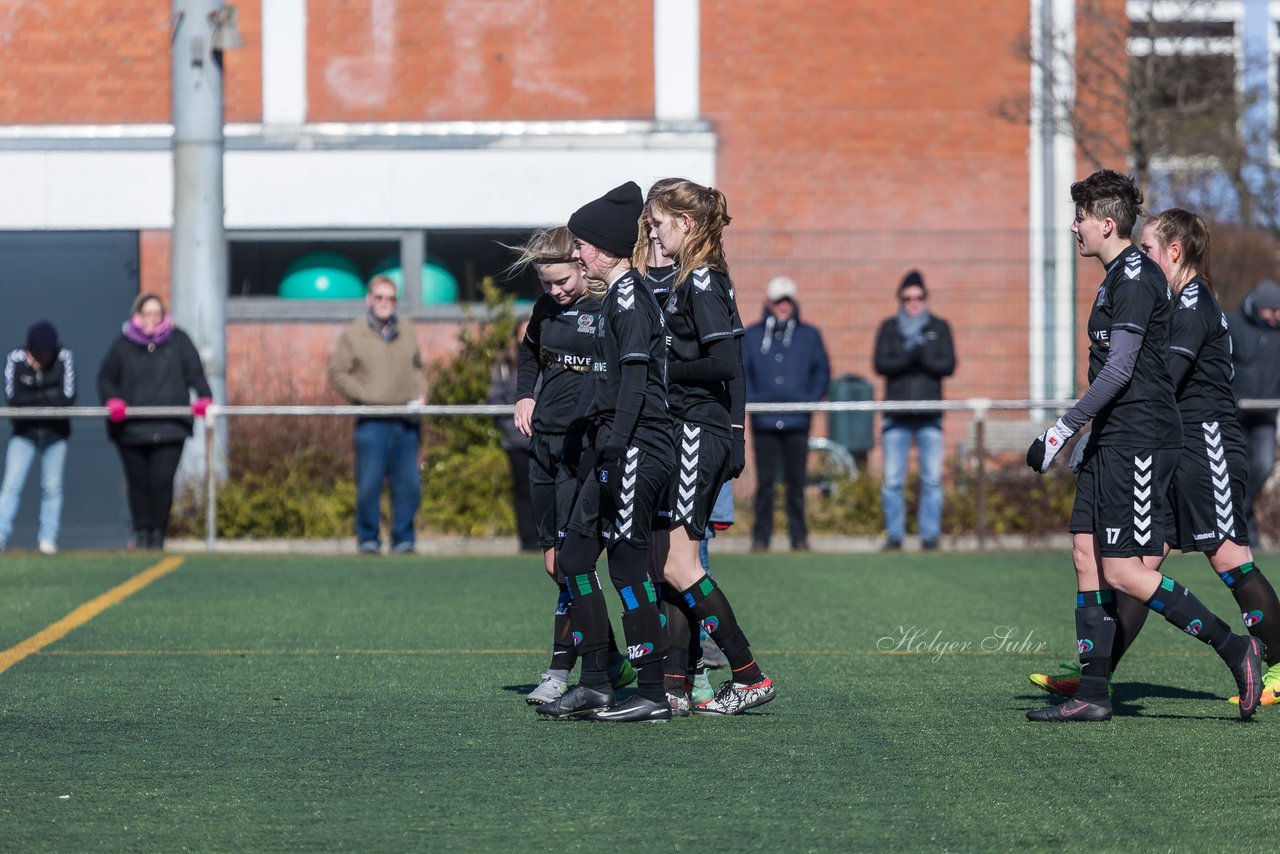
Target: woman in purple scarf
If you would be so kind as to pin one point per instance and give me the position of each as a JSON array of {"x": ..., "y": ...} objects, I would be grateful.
[{"x": 152, "y": 363}]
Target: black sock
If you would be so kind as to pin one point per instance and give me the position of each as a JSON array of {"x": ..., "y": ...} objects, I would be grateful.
[
  {"x": 641, "y": 623},
  {"x": 1131, "y": 616},
  {"x": 709, "y": 604},
  {"x": 590, "y": 615},
  {"x": 564, "y": 652},
  {"x": 675, "y": 644},
  {"x": 1181, "y": 608},
  {"x": 1259, "y": 607},
  {"x": 1095, "y": 634}
]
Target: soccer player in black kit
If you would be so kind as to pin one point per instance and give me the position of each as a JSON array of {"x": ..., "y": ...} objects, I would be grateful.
[
  {"x": 557, "y": 349},
  {"x": 1207, "y": 496},
  {"x": 1119, "y": 516},
  {"x": 706, "y": 394},
  {"x": 628, "y": 458}
]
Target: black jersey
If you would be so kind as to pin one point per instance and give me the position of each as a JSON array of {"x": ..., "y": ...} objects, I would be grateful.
[
  {"x": 631, "y": 329},
  {"x": 563, "y": 337},
  {"x": 1135, "y": 297},
  {"x": 699, "y": 311},
  {"x": 1200, "y": 334},
  {"x": 659, "y": 281}
]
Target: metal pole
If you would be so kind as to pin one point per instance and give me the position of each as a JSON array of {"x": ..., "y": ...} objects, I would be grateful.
[
  {"x": 211, "y": 486},
  {"x": 980, "y": 448},
  {"x": 199, "y": 242}
]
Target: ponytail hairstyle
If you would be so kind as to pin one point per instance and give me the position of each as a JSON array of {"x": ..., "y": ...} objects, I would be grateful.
[
  {"x": 544, "y": 248},
  {"x": 1190, "y": 231},
  {"x": 709, "y": 211}
]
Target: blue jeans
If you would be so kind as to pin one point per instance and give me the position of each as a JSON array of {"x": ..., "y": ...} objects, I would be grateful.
[
  {"x": 387, "y": 451},
  {"x": 17, "y": 463},
  {"x": 896, "y": 440}
]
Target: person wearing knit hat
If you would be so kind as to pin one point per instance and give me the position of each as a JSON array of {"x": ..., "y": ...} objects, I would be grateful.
[
  {"x": 914, "y": 352},
  {"x": 784, "y": 360},
  {"x": 41, "y": 374},
  {"x": 611, "y": 222},
  {"x": 1255, "y": 338},
  {"x": 627, "y": 457}
]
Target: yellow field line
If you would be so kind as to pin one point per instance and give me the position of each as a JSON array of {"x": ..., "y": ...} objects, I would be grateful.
[{"x": 86, "y": 612}]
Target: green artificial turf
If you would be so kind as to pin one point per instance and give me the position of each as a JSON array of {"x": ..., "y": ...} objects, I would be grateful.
[{"x": 248, "y": 704}]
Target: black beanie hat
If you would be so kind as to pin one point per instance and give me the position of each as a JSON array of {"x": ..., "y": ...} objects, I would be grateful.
[
  {"x": 42, "y": 339},
  {"x": 912, "y": 279},
  {"x": 612, "y": 221}
]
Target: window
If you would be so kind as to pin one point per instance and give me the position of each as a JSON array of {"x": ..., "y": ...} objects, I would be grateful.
[{"x": 315, "y": 274}]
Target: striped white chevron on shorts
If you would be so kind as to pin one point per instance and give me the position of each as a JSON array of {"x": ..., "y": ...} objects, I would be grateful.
[
  {"x": 1142, "y": 499},
  {"x": 1218, "y": 475},
  {"x": 627, "y": 495},
  {"x": 687, "y": 481}
]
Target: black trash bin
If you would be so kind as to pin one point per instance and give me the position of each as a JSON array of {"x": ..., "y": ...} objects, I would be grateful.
[{"x": 855, "y": 431}]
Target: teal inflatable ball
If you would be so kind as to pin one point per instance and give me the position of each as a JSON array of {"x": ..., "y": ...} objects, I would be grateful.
[
  {"x": 439, "y": 287},
  {"x": 321, "y": 275}
]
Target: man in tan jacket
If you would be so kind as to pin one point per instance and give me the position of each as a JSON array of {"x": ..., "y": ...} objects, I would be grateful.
[{"x": 376, "y": 362}]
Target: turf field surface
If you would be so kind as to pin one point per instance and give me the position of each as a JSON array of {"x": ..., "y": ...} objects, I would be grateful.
[{"x": 269, "y": 703}]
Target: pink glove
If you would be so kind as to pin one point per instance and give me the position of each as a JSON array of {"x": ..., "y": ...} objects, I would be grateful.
[
  {"x": 117, "y": 407},
  {"x": 201, "y": 406}
]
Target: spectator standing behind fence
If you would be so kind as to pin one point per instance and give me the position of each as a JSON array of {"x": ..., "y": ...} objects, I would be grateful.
[
  {"x": 376, "y": 362},
  {"x": 1255, "y": 353},
  {"x": 502, "y": 390},
  {"x": 913, "y": 353},
  {"x": 152, "y": 363},
  {"x": 784, "y": 361},
  {"x": 42, "y": 374}
]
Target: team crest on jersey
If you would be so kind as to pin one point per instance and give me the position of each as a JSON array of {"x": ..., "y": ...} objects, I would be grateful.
[
  {"x": 673, "y": 302},
  {"x": 587, "y": 324},
  {"x": 1102, "y": 295}
]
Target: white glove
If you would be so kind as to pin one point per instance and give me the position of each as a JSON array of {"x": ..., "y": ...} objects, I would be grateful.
[{"x": 1047, "y": 445}]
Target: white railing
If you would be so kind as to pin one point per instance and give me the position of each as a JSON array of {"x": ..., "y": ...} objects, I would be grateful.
[{"x": 977, "y": 407}]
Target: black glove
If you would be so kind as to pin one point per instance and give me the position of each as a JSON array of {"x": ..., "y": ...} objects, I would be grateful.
[
  {"x": 737, "y": 452},
  {"x": 571, "y": 450}
]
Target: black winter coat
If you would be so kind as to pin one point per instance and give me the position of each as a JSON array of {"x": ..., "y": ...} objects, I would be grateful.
[
  {"x": 915, "y": 374},
  {"x": 52, "y": 386},
  {"x": 1255, "y": 354},
  {"x": 155, "y": 375}
]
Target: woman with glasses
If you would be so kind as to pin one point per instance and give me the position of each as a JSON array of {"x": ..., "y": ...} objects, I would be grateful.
[{"x": 914, "y": 353}]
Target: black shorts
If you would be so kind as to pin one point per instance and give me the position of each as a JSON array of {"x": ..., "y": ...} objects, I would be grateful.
[
  {"x": 702, "y": 466},
  {"x": 552, "y": 487},
  {"x": 1208, "y": 488},
  {"x": 1122, "y": 496},
  {"x": 625, "y": 510}
]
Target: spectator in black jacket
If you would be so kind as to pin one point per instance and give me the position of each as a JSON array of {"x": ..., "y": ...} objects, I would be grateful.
[
  {"x": 42, "y": 374},
  {"x": 783, "y": 361},
  {"x": 502, "y": 389},
  {"x": 152, "y": 363},
  {"x": 1255, "y": 353},
  {"x": 913, "y": 353}
]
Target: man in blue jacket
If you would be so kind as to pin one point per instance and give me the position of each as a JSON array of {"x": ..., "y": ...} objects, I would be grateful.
[
  {"x": 914, "y": 352},
  {"x": 784, "y": 361}
]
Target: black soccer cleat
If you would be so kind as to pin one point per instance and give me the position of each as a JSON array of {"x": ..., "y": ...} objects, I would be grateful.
[
  {"x": 576, "y": 702},
  {"x": 1248, "y": 674},
  {"x": 1071, "y": 711},
  {"x": 635, "y": 710}
]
